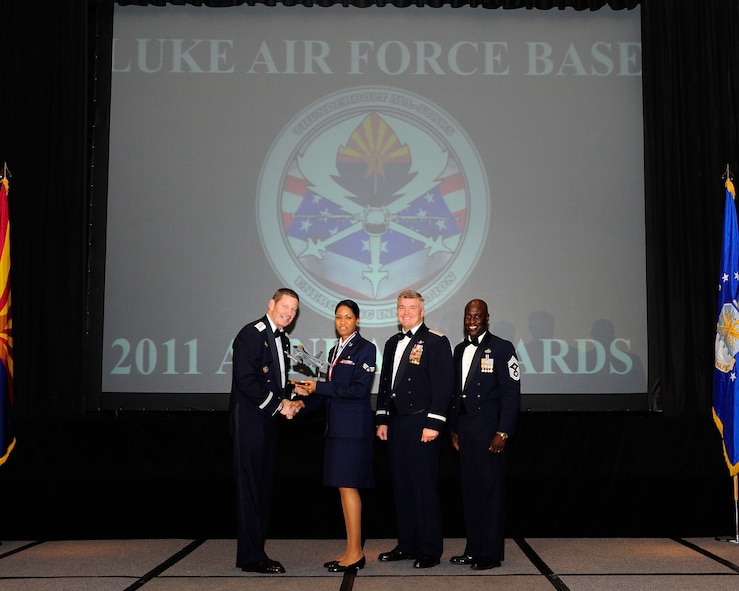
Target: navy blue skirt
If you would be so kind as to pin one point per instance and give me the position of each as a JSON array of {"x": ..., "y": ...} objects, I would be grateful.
[{"x": 347, "y": 463}]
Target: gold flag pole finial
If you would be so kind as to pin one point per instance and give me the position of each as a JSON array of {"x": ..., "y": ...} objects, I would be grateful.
[
  {"x": 4, "y": 178},
  {"x": 728, "y": 177}
]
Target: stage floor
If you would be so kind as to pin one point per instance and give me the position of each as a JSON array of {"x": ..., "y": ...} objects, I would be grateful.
[{"x": 531, "y": 564}]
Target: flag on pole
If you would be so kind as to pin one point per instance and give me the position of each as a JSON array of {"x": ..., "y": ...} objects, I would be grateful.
[
  {"x": 725, "y": 383},
  {"x": 7, "y": 440}
]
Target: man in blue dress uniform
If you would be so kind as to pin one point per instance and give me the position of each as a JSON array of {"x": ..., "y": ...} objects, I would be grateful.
[
  {"x": 485, "y": 407},
  {"x": 414, "y": 393},
  {"x": 259, "y": 397}
]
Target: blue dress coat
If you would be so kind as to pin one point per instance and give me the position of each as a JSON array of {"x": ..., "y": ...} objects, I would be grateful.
[
  {"x": 349, "y": 418},
  {"x": 492, "y": 400},
  {"x": 256, "y": 393},
  {"x": 418, "y": 398}
]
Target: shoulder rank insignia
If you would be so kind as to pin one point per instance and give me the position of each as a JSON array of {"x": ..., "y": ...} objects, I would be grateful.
[{"x": 514, "y": 370}]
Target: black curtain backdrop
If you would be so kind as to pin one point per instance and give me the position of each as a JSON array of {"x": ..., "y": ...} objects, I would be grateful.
[{"x": 89, "y": 474}]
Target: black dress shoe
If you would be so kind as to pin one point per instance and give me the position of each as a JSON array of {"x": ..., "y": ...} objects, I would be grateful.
[
  {"x": 340, "y": 568},
  {"x": 425, "y": 562},
  {"x": 265, "y": 567},
  {"x": 462, "y": 559},
  {"x": 484, "y": 564},
  {"x": 330, "y": 563},
  {"x": 394, "y": 555}
]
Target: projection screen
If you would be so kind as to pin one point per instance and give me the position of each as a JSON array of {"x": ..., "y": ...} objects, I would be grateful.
[{"x": 353, "y": 153}]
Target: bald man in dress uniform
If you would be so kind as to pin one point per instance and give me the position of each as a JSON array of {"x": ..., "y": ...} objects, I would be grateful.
[{"x": 484, "y": 410}]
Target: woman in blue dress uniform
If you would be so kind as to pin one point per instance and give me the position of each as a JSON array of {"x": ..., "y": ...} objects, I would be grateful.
[{"x": 349, "y": 426}]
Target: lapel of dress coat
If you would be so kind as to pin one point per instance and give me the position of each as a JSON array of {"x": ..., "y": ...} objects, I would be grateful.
[
  {"x": 345, "y": 352},
  {"x": 273, "y": 350}
]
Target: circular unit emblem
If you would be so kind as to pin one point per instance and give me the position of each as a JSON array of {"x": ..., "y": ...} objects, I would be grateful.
[{"x": 370, "y": 191}]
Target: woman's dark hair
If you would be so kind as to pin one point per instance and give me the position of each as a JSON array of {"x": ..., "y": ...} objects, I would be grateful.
[{"x": 351, "y": 304}]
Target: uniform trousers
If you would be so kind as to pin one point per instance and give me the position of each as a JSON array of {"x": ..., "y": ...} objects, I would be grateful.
[
  {"x": 482, "y": 475},
  {"x": 255, "y": 457},
  {"x": 414, "y": 467}
]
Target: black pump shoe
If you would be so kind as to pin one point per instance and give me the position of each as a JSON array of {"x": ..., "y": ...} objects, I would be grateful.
[{"x": 340, "y": 568}]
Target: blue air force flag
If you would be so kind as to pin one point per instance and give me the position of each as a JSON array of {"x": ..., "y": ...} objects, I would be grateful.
[{"x": 725, "y": 385}]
